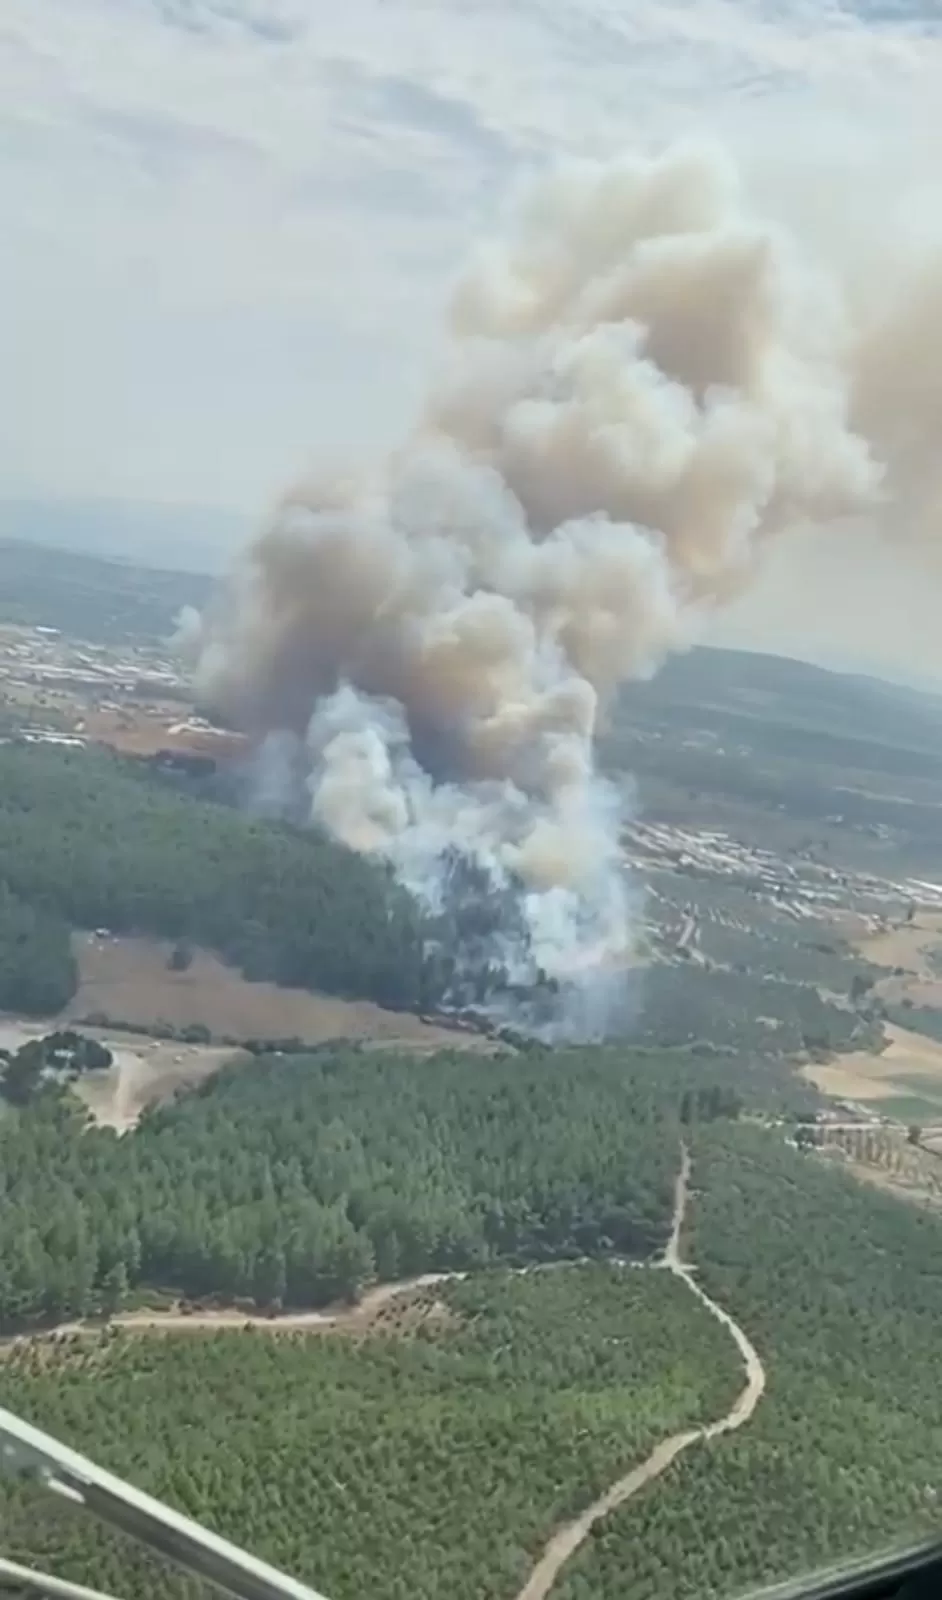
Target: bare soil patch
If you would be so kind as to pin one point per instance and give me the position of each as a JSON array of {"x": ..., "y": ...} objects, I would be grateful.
[
  {"x": 128, "y": 979},
  {"x": 144, "y": 1071},
  {"x": 147, "y": 1073}
]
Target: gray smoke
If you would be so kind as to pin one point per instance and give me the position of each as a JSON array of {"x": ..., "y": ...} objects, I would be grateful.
[{"x": 644, "y": 383}]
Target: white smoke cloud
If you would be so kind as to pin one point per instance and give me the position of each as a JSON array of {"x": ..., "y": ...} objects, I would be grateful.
[
  {"x": 187, "y": 636},
  {"x": 645, "y": 382}
]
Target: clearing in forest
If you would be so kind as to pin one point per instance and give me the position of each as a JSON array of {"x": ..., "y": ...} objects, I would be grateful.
[
  {"x": 144, "y": 1071},
  {"x": 129, "y": 980}
]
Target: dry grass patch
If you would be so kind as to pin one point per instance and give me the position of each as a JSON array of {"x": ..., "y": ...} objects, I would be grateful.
[{"x": 129, "y": 979}]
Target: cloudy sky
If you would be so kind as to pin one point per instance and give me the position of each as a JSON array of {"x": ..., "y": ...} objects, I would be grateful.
[{"x": 229, "y": 226}]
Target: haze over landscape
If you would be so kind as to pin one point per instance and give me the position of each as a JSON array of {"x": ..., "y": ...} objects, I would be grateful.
[{"x": 471, "y": 787}]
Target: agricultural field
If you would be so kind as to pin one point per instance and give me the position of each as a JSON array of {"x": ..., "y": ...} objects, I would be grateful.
[{"x": 903, "y": 1080}]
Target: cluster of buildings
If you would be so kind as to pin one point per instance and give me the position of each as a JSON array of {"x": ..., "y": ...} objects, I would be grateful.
[
  {"x": 803, "y": 889},
  {"x": 55, "y": 690}
]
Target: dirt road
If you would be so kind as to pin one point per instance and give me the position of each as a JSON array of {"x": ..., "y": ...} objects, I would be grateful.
[
  {"x": 345, "y": 1317},
  {"x": 567, "y": 1539},
  {"x": 357, "y": 1317}
]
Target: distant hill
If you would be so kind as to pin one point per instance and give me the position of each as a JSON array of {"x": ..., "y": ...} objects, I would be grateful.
[
  {"x": 188, "y": 538},
  {"x": 90, "y": 598},
  {"x": 107, "y": 569},
  {"x": 778, "y": 689}
]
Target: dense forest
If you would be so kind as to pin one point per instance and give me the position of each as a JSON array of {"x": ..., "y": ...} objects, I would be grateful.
[
  {"x": 89, "y": 841},
  {"x": 436, "y": 1457},
  {"x": 840, "y": 1290},
  {"x": 297, "y": 1180},
  {"x": 38, "y": 973},
  {"x": 400, "y": 1466}
]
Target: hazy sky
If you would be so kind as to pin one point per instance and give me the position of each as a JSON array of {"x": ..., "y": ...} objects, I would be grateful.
[{"x": 229, "y": 226}]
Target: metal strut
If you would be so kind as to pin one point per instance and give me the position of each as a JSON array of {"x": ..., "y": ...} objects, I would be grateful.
[{"x": 28, "y": 1453}]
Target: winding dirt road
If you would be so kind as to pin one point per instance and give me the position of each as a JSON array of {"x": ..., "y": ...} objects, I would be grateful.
[{"x": 567, "y": 1539}]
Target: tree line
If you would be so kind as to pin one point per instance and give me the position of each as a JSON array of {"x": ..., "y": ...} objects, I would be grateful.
[
  {"x": 89, "y": 840},
  {"x": 295, "y": 1181}
]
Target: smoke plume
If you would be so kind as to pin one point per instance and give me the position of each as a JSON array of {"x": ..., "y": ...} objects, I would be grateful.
[{"x": 644, "y": 383}]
